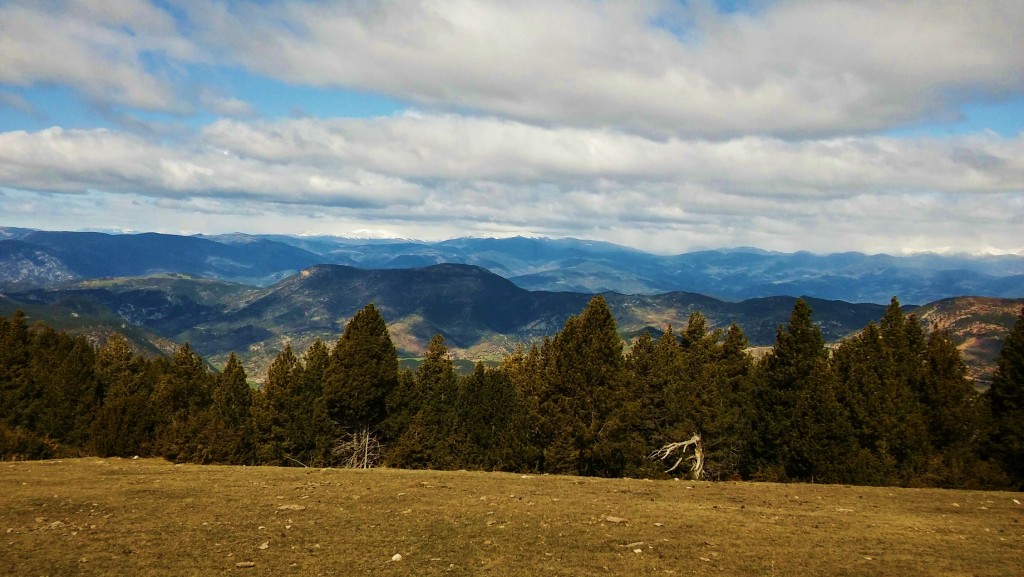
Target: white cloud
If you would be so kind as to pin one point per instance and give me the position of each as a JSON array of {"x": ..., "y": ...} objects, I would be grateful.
[
  {"x": 660, "y": 124},
  {"x": 790, "y": 68},
  {"x": 444, "y": 175},
  {"x": 96, "y": 46},
  {"x": 654, "y": 67},
  {"x": 449, "y": 147},
  {"x": 58, "y": 160}
]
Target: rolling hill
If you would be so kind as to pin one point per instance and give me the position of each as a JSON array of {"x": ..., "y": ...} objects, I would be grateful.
[{"x": 978, "y": 326}]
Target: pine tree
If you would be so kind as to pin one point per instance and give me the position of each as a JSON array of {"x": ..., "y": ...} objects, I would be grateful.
[
  {"x": 183, "y": 395},
  {"x": 697, "y": 389},
  {"x": 70, "y": 397},
  {"x": 228, "y": 436},
  {"x": 487, "y": 405},
  {"x": 312, "y": 426},
  {"x": 802, "y": 432},
  {"x": 728, "y": 447},
  {"x": 402, "y": 405},
  {"x": 884, "y": 411},
  {"x": 363, "y": 371},
  {"x": 15, "y": 386},
  {"x": 588, "y": 395},
  {"x": 957, "y": 417},
  {"x": 270, "y": 407},
  {"x": 124, "y": 424},
  {"x": 433, "y": 439},
  {"x": 653, "y": 366},
  {"x": 1007, "y": 401},
  {"x": 528, "y": 433}
]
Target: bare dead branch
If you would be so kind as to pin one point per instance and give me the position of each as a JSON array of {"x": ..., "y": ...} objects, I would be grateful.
[
  {"x": 359, "y": 450},
  {"x": 294, "y": 460},
  {"x": 696, "y": 467}
]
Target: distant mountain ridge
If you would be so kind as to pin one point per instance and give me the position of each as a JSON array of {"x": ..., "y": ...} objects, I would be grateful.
[
  {"x": 30, "y": 258},
  {"x": 482, "y": 315},
  {"x": 87, "y": 255}
]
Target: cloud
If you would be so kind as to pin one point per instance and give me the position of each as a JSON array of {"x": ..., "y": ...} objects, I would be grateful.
[
  {"x": 446, "y": 175},
  {"x": 788, "y": 68},
  {"x": 75, "y": 161},
  {"x": 457, "y": 148},
  {"x": 662, "y": 124},
  {"x": 661, "y": 68},
  {"x": 225, "y": 105},
  {"x": 103, "y": 48},
  {"x": 396, "y": 158}
]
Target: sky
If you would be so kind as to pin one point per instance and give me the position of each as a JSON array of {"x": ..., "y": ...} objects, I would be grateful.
[{"x": 668, "y": 126}]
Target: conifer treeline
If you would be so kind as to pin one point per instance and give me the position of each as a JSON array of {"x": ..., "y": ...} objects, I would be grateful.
[{"x": 890, "y": 406}]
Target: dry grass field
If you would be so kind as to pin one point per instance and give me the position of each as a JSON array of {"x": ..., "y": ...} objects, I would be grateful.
[{"x": 149, "y": 517}]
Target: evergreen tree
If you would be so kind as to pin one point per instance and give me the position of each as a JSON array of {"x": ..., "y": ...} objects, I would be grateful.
[
  {"x": 402, "y": 404},
  {"x": 728, "y": 446},
  {"x": 588, "y": 396},
  {"x": 433, "y": 439},
  {"x": 695, "y": 394},
  {"x": 270, "y": 411},
  {"x": 884, "y": 411},
  {"x": 363, "y": 371},
  {"x": 1007, "y": 401},
  {"x": 64, "y": 368},
  {"x": 487, "y": 405},
  {"x": 15, "y": 386},
  {"x": 312, "y": 428},
  {"x": 801, "y": 432},
  {"x": 183, "y": 395},
  {"x": 47, "y": 388},
  {"x": 949, "y": 397},
  {"x": 703, "y": 393},
  {"x": 957, "y": 417},
  {"x": 125, "y": 422},
  {"x": 228, "y": 436},
  {"x": 906, "y": 346},
  {"x": 653, "y": 367},
  {"x": 529, "y": 432}
]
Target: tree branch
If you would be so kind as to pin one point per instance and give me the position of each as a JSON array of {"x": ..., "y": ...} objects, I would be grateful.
[{"x": 696, "y": 468}]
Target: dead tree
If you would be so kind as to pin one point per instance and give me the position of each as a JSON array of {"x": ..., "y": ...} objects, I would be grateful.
[
  {"x": 359, "y": 450},
  {"x": 697, "y": 458}
]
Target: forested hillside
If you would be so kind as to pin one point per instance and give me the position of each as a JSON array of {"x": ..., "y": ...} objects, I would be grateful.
[{"x": 892, "y": 406}]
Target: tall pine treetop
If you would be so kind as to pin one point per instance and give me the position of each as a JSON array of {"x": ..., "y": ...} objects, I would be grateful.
[{"x": 362, "y": 371}]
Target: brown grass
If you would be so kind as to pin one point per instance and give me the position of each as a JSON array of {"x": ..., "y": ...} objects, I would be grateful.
[{"x": 149, "y": 517}]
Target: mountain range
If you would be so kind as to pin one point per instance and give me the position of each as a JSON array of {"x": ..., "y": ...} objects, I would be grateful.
[
  {"x": 253, "y": 294},
  {"x": 39, "y": 259}
]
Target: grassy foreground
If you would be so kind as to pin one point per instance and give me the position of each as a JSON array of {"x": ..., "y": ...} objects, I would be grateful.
[{"x": 150, "y": 517}]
